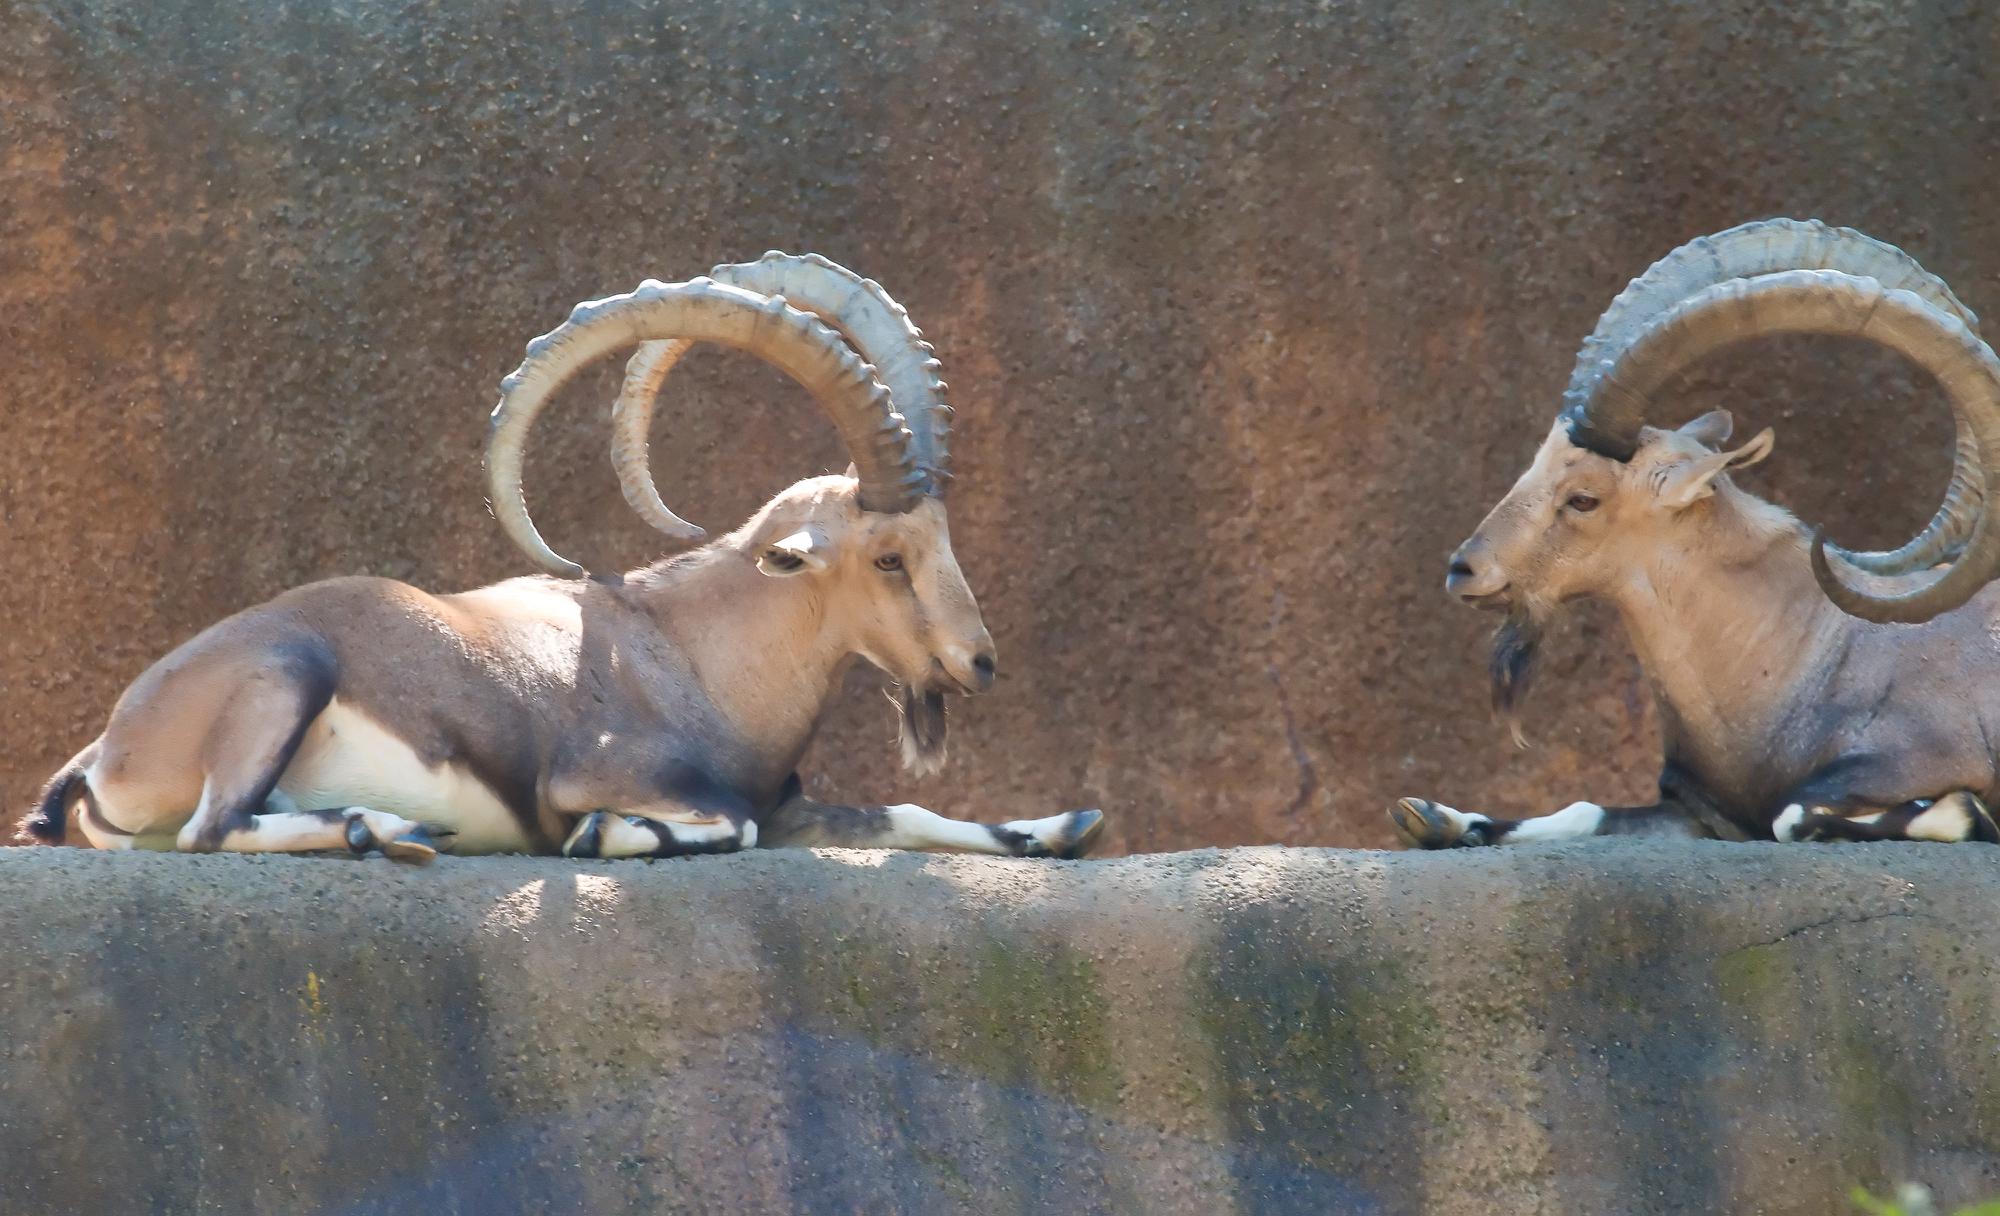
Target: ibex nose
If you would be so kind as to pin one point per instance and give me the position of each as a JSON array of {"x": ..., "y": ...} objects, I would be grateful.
[
  {"x": 1461, "y": 573},
  {"x": 984, "y": 667},
  {"x": 1472, "y": 577}
]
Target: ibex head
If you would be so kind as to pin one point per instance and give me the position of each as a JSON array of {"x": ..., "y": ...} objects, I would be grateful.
[
  {"x": 872, "y": 548},
  {"x": 1576, "y": 522},
  {"x": 889, "y": 584}
]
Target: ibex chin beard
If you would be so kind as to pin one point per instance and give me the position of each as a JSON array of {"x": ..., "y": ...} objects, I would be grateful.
[
  {"x": 921, "y": 727},
  {"x": 1511, "y": 667}
]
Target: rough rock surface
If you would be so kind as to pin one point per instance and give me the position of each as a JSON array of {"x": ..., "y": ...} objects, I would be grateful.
[
  {"x": 1251, "y": 309},
  {"x": 1611, "y": 1027}
]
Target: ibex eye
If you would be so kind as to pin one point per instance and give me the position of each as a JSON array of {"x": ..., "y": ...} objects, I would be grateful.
[
  {"x": 1582, "y": 504},
  {"x": 889, "y": 561}
]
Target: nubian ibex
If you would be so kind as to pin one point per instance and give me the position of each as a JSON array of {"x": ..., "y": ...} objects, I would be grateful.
[
  {"x": 1806, "y": 691},
  {"x": 657, "y": 713}
]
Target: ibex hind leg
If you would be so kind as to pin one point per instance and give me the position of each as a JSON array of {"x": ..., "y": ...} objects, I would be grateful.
[
  {"x": 1957, "y": 817},
  {"x": 253, "y": 736},
  {"x": 354, "y": 829},
  {"x": 246, "y": 750}
]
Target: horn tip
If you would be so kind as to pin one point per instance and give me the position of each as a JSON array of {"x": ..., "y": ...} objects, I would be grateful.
[{"x": 1881, "y": 610}]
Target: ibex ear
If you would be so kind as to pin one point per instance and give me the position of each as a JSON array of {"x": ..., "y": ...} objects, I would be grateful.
[
  {"x": 1683, "y": 485},
  {"x": 803, "y": 550},
  {"x": 1711, "y": 430}
]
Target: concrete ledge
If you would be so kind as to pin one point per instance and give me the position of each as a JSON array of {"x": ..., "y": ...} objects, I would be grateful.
[{"x": 1611, "y": 1027}]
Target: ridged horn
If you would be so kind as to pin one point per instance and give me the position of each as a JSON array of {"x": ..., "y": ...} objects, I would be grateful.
[
  {"x": 1747, "y": 251},
  {"x": 631, "y": 427},
  {"x": 700, "y": 311},
  {"x": 859, "y": 309},
  {"x": 1829, "y": 302}
]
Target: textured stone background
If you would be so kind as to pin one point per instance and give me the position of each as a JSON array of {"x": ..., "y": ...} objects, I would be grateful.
[
  {"x": 1617, "y": 1027},
  {"x": 1250, "y": 311}
]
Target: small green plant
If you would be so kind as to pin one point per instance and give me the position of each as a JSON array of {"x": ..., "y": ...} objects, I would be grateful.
[{"x": 1914, "y": 1199}]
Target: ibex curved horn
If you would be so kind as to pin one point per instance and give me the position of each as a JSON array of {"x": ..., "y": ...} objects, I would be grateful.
[
  {"x": 702, "y": 311},
  {"x": 1829, "y": 302},
  {"x": 1747, "y": 251},
  {"x": 878, "y": 328}
]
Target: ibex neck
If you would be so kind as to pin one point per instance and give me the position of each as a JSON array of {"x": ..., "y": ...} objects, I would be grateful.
[
  {"x": 760, "y": 647},
  {"x": 1730, "y": 627}
]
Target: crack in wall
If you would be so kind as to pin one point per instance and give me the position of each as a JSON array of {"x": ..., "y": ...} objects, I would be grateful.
[
  {"x": 1308, "y": 776},
  {"x": 1828, "y": 922}
]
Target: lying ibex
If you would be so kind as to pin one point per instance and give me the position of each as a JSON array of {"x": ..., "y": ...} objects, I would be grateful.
[
  {"x": 658, "y": 713},
  {"x": 1806, "y": 691}
]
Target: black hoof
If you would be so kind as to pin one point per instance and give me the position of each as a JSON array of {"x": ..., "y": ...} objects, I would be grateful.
[
  {"x": 359, "y": 839},
  {"x": 414, "y": 847},
  {"x": 1984, "y": 830},
  {"x": 588, "y": 840},
  {"x": 1423, "y": 825},
  {"x": 1081, "y": 833}
]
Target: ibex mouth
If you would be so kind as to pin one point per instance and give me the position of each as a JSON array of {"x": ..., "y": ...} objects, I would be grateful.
[
  {"x": 943, "y": 681},
  {"x": 1491, "y": 601}
]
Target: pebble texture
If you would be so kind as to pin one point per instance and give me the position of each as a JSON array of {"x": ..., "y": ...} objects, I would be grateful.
[
  {"x": 1250, "y": 310},
  {"x": 1609, "y": 1027}
]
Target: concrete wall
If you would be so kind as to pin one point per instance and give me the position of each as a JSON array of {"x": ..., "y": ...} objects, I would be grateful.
[
  {"x": 1251, "y": 309},
  {"x": 1607, "y": 1028}
]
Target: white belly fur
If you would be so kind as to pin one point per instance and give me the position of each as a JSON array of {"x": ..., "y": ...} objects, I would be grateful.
[{"x": 347, "y": 759}]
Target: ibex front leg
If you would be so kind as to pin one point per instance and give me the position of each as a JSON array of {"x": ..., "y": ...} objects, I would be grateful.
[
  {"x": 1433, "y": 825},
  {"x": 1683, "y": 811},
  {"x": 687, "y": 813},
  {"x": 801, "y": 822}
]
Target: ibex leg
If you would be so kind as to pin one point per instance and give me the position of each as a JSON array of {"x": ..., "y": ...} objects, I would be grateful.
[
  {"x": 1958, "y": 816},
  {"x": 1433, "y": 825},
  {"x": 801, "y": 822}
]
